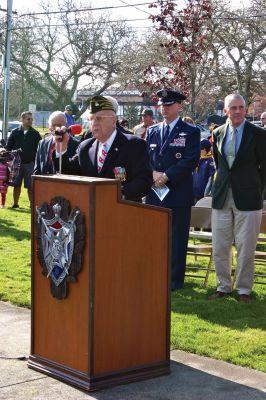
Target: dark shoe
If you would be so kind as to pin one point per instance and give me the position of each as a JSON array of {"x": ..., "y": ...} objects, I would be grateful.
[
  {"x": 15, "y": 206},
  {"x": 217, "y": 295},
  {"x": 244, "y": 298}
]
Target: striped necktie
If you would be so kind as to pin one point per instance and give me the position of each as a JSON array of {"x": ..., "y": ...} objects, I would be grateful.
[
  {"x": 232, "y": 147},
  {"x": 102, "y": 156}
]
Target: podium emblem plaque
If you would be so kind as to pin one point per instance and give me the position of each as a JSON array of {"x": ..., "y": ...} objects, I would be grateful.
[{"x": 57, "y": 238}]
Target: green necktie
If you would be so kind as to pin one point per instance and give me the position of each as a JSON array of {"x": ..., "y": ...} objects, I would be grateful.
[{"x": 232, "y": 147}]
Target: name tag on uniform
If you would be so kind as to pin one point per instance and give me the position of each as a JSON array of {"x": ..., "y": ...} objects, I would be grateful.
[{"x": 153, "y": 146}]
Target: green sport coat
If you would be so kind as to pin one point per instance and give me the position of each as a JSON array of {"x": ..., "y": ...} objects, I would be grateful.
[{"x": 247, "y": 176}]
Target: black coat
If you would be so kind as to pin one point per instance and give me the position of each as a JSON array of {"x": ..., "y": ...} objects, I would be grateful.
[
  {"x": 127, "y": 151},
  {"x": 28, "y": 143}
]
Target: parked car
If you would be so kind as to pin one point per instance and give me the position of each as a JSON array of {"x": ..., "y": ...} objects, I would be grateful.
[
  {"x": 11, "y": 125},
  {"x": 258, "y": 123},
  {"x": 204, "y": 131}
]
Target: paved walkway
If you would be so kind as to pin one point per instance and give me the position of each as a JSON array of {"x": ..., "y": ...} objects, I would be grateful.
[{"x": 192, "y": 377}]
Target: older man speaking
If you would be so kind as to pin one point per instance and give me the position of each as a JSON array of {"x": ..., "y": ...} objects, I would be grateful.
[{"x": 110, "y": 153}]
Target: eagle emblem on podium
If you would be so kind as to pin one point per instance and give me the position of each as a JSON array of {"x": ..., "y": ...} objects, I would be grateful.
[{"x": 60, "y": 243}]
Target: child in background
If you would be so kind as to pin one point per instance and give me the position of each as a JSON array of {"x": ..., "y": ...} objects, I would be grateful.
[
  {"x": 204, "y": 172},
  {"x": 3, "y": 177}
]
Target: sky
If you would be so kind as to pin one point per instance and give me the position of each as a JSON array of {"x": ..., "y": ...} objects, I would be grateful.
[
  {"x": 33, "y": 4},
  {"x": 133, "y": 12},
  {"x": 137, "y": 12}
]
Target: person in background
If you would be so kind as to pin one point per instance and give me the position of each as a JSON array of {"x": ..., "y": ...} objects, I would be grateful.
[
  {"x": 146, "y": 121},
  {"x": 239, "y": 149},
  {"x": 204, "y": 173},
  {"x": 27, "y": 139},
  {"x": 70, "y": 120},
  {"x": 189, "y": 120},
  {"x": 211, "y": 129},
  {"x": 110, "y": 153},
  {"x": 124, "y": 123},
  {"x": 44, "y": 161},
  {"x": 263, "y": 119},
  {"x": 3, "y": 177},
  {"x": 174, "y": 148}
]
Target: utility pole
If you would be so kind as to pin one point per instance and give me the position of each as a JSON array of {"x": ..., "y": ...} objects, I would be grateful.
[{"x": 6, "y": 68}]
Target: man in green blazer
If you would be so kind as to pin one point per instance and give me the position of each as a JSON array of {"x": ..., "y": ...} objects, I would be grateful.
[{"x": 239, "y": 150}]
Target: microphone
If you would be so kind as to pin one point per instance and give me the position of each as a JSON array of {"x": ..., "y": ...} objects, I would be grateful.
[{"x": 74, "y": 129}]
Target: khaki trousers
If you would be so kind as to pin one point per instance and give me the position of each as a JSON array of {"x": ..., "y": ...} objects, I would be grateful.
[{"x": 230, "y": 225}]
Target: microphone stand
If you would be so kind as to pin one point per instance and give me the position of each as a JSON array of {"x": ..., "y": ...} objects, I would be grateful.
[
  {"x": 60, "y": 157},
  {"x": 60, "y": 154}
]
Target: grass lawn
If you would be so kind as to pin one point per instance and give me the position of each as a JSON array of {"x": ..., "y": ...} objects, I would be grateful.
[{"x": 223, "y": 329}]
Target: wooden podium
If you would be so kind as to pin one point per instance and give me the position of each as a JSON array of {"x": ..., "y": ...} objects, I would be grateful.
[{"x": 114, "y": 325}]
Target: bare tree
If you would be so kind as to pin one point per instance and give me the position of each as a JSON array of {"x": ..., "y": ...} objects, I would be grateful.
[
  {"x": 210, "y": 50},
  {"x": 240, "y": 66},
  {"x": 54, "y": 51}
]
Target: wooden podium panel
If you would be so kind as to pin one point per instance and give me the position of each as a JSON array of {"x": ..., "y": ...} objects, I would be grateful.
[{"x": 114, "y": 325}]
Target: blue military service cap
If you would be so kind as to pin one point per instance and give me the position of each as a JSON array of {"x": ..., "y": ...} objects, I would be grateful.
[{"x": 168, "y": 97}]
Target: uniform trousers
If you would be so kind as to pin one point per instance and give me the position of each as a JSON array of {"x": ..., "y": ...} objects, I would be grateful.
[
  {"x": 230, "y": 225},
  {"x": 180, "y": 234}
]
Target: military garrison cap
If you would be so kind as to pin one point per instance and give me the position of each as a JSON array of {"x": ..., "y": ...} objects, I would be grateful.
[
  {"x": 168, "y": 97},
  {"x": 99, "y": 103}
]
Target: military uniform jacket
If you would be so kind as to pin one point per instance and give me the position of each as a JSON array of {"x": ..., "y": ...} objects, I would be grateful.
[
  {"x": 247, "y": 175},
  {"x": 127, "y": 151},
  {"x": 177, "y": 158}
]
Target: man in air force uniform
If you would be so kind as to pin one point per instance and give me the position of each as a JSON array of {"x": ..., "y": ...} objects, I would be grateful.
[{"x": 174, "y": 149}]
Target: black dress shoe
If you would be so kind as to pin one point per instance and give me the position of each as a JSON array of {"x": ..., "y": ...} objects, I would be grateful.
[{"x": 15, "y": 206}]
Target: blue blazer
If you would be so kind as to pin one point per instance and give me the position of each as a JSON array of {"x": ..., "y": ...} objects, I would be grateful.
[{"x": 177, "y": 157}]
